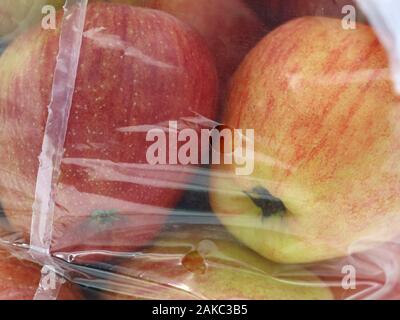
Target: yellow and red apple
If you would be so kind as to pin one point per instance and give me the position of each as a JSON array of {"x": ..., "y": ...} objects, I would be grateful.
[
  {"x": 205, "y": 262},
  {"x": 327, "y": 153},
  {"x": 138, "y": 68}
]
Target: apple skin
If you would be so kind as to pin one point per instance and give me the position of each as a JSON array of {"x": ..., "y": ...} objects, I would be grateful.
[
  {"x": 17, "y": 15},
  {"x": 327, "y": 153},
  {"x": 205, "y": 262},
  {"x": 145, "y": 70},
  {"x": 277, "y": 12},
  {"x": 19, "y": 280},
  {"x": 229, "y": 27}
]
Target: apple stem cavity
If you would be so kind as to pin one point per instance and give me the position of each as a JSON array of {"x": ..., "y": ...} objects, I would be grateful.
[{"x": 268, "y": 204}]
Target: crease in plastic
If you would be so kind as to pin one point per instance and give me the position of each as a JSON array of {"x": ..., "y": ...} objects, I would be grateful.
[
  {"x": 53, "y": 143},
  {"x": 383, "y": 15}
]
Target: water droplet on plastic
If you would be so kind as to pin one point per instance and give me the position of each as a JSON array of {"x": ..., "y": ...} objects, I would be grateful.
[
  {"x": 206, "y": 247},
  {"x": 194, "y": 262}
]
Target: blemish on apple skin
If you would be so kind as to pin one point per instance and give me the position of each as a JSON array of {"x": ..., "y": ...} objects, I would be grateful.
[{"x": 268, "y": 204}]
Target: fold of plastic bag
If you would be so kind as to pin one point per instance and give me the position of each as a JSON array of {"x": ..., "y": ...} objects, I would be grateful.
[
  {"x": 53, "y": 142},
  {"x": 384, "y": 17}
]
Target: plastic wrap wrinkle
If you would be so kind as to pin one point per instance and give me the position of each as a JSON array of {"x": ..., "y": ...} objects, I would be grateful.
[
  {"x": 54, "y": 138},
  {"x": 382, "y": 15}
]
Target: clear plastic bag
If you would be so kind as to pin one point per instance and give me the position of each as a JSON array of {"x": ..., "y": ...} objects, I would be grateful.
[{"x": 181, "y": 149}]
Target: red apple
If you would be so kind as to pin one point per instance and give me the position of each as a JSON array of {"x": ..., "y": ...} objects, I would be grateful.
[
  {"x": 138, "y": 67},
  {"x": 278, "y": 11},
  {"x": 229, "y": 27},
  {"x": 20, "y": 279}
]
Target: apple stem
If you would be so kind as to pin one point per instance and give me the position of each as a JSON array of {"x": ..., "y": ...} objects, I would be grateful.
[{"x": 268, "y": 204}]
